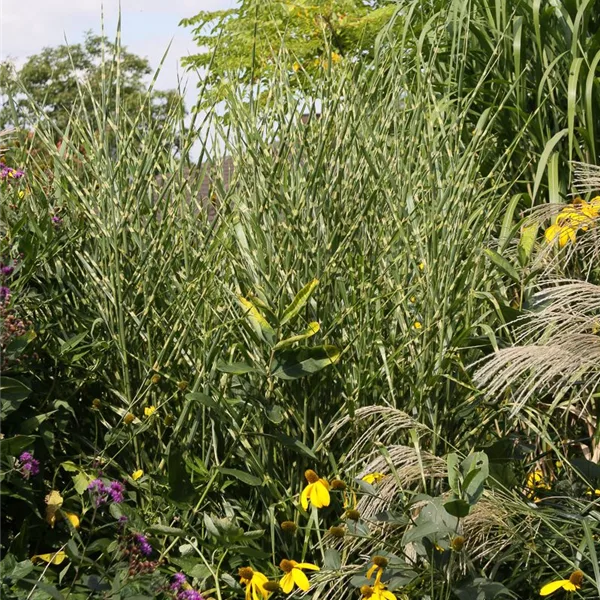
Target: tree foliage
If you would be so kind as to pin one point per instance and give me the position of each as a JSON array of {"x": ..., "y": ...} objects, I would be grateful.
[
  {"x": 54, "y": 79},
  {"x": 252, "y": 42}
]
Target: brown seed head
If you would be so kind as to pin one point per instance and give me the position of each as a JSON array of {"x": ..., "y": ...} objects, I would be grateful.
[
  {"x": 338, "y": 532},
  {"x": 338, "y": 484},
  {"x": 96, "y": 403},
  {"x": 311, "y": 476},
  {"x": 128, "y": 418},
  {"x": 246, "y": 573},
  {"x": 182, "y": 385},
  {"x": 271, "y": 586},
  {"x": 366, "y": 591},
  {"x": 576, "y": 578},
  {"x": 380, "y": 561},
  {"x": 286, "y": 565},
  {"x": 353, "y": 514},
  {"x": 457, "y": 543},
  {"x": 155, "y": 378},
  {"x": 289, "y": 527}
]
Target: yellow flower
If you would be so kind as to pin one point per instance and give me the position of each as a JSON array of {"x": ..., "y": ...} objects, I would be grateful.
[
  {"x": 417, "y": 325},
  {"x": 593, "y": 493},
  {"x": 570, "y": 585},
  {"x": 379, "y": 564},
  {"x": 21, "y": 194},
  {"x": 294, "y": 575},
  {"x": 254, "y": 582},
  {"x": 536, "y": 481},
  {"x": 149, "y": 410},
  {"x": 578, "y": 215},
  {"x": 53, "y": 501},
  {"x": 137, "y": 474},
  {"x": 421, "y": 266},
  {"x": 317, "y": 491},
  {"x": 372, "y": 478},
  {"x": 296, "y": 67},
  {"x": 72, "y": 518},
  {"x": 54, "y": 558},
  {"x": 377, "y": 592},
  {"x": 335, "y": 58}
]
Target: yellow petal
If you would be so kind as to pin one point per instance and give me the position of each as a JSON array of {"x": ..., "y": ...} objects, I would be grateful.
[
  {"x": 387, "y": 595},
  {"x": 305, "y": 494},
  {"x": 73, "y": 519},
  {"x": 149, "y": 410},
  {"x": 308, "y": 566},
  {"x": 320, "y": 496},
  {"x": 371, "y": 571},
  {"x": 552, "y": 232},
  {"x": 137, "y": 474},
  {"x": 372, "y": 478},
  {"x": 550, "y": 588},
  {"x": 54, "y": 558},
  {"x": 300, "y": 579},
  {"x": 287, "y": 583},
  {"x": 54, "y": 499}
]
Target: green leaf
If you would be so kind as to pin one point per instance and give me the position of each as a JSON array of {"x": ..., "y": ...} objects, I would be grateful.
[
  {"x": 237, "y": 368},
  {"x": 13, "y": 446},
  {"x": 72, "y": 342},
  {"x": 181, "y": 489},
  {"x": 291, "y": 442},
  {"x": 261, "y": 326},
  {"x": 12, "y": 392},
  {"x": 476, "y": 470},
  {"x": 332, "y": 560},
  {"x": 426, "y": 529},
  {"x": 300, "y": 362},
  {"x": 81, "y": 482},
  {"x": 311, "y": 330},
  {"x": 166, "y": 530},
  {"x": 503, "y": 264},
  {"x": 299, "y": 301},
  {"x": 453, "y": 461},
  {"x": 457, "y": 508},
  {"x": 527, "y": 243},
  {"x": 244, "y": 477}
]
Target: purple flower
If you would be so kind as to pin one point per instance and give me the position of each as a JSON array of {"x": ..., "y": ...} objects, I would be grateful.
[
  {"x": 4, "y": 293},
  {"x": 28, "y": 465},
  {"x": 9, "y": 172},
  {"x": 116, "y": 492},
  {"x": 123, "y": 519},
  {"x": 6, "y": 270},
  {"x": 142, "y": 542},
  {"x": 56, "y": 221},
  {"x": 179, "y": 579}
]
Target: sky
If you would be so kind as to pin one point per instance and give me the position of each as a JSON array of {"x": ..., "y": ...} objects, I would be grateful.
[{"x": 27, "y": 26}]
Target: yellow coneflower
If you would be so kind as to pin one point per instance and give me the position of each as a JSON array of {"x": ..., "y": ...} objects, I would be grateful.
[
  {"x": 254, "y": 582},
  {"x": 379, "y": 564},
  {"x": 569, "y": 585},
  {"x": 317, "y": 491},
  {"x": 294, "y": 575},
  {"x": 376, "y": 592}
]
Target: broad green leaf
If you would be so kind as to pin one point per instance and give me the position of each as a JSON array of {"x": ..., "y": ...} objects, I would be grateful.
[
  {"x": 333, "y": 560},
  {"x": 457, "y": 508},
  {"x": 503, "y": 264},
  {"x": 81, "y": 482},
  {"x": 311, "y": 330},
  {"x": 427, "y": 529},
  {"x": 261, "y": 326},
  {"x": 290, "y": 442},
  {"x": 292, "y": 364},
  {"x": 72, "y": 342},
  {"x": 299, "y": 301},
  {"x": 475, "y": 472},
  {"x": 13, "y": 446},
  {"x": 237, "y": 368},
  {"x": 13, "y": 392},
  {"x": 244, "y": 477}
]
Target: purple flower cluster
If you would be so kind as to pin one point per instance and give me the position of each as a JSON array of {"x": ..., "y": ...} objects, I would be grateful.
[
  {"x": 56, "y": 221},
  {"x": 183, "y": 590},
  {"x": 4, "y": 294},
  {"x": 28, "y": 465},
  {"x": 8, "y": 172},
  {"x": 103, "y": 493},
  {"x": 6, "y": 270},
  {"x": 142, "y": 542}
]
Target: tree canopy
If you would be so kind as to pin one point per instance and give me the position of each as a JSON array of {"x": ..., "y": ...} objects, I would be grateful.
[
  {"x": 247, "y": 44},
  {"x": 53, "y": 80}
]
